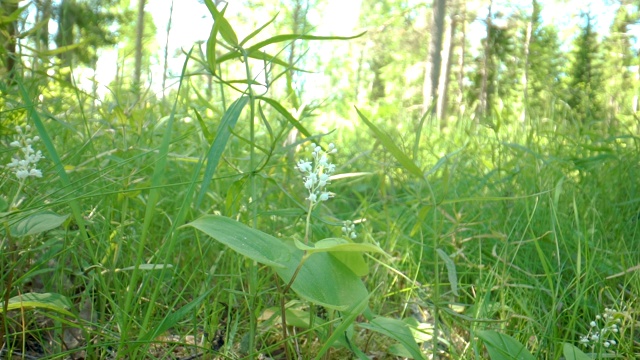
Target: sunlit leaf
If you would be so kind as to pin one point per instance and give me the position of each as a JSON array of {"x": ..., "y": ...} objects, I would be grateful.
[
  {"x": 291, "y": 37},
  {"x": 337, "y": 244},
  {"x": 388, "y": 143},
  {"x": 279, "y": 108},
  {"x": 49, "y": 301},
  {"x": 322, "y": 279},
  {"x": 225, "y": 29}
]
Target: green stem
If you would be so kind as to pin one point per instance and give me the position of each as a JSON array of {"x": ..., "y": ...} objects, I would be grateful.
[{"x": 253, "y": 269}]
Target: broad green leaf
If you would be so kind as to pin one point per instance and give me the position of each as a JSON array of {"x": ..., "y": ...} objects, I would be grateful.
[
  {"x": 173, "y": 318},
  {"x": 229, "y": 120},
  {"x": 353, "y": 261},
  {"x": 388, "y": 143},
  {"x": 49, "y": 301},
  {"x": 571, "y": 352},
  {"x": 451, "y": 270},
  {"x": 503, "y": 347},
  {"x": 227, "y": 32},
  {"x": 396, "y": 330},
  {"x": 337, "y": 244},
  {"x": 247, "y": 241},
  {"x": 37, "y": 223},
  {"x": 322, "y": 279}
]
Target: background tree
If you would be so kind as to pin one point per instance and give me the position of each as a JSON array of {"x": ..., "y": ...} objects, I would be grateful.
[
  {"x": 586, "y": 82},
  {"x": 434, "y": 60}
]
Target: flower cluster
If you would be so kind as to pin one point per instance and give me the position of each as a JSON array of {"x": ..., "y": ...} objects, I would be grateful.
[
  {"x": 349, "y": 230},
  {"x": 25, "y": 164},
  {"x": 317, "y": 172},
  {"x": 602, "y": 335}
]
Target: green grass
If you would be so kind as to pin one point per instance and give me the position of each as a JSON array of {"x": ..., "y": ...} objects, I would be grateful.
[{"x": 540, "y": 223}]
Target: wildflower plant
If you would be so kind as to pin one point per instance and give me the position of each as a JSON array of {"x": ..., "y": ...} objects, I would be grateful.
[
  {"x": 316, "y": 176},
  {"x": 24, "y": 163},
  {"x": 603, "y": 331}
]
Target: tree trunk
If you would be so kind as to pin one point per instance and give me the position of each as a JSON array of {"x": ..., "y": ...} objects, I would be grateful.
[
  {"x": 443, "y": 83},
  {"x": 166, "y": 51},
  {"x": 8, "y": 36},
  {"x": 484, "y": 86},
  {"x": 139, "y": 36},
  {"x": 432, "y": 68},
  {"x": 461, "y": 55},
  {"x": 525, "y": 74}
]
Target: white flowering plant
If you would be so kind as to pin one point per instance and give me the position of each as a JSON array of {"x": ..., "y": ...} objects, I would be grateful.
[
  {"x": 326, "y": 272},
  {"x": 603, "y": 331},
  {"x": 24, "y": 162}
]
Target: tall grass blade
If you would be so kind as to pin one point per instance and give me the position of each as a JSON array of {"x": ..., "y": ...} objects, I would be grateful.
[
  {"x": 402, "y": 158},
  {"x": 229, "y": 120}
]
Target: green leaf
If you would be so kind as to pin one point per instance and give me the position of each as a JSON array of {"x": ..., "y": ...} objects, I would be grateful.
[
  {"x": 259, "y": 55},
  {"x": 503, "y": 347},
  {"x": 573, "y": 353},
  {"x": 326, "y": 281},
  {"x": 49, "y": 301},
  {"x": 279, "y": 108},
  {"x": 443, "y": 161},
  {"x": 249, "y": 242},
  {"x": 402, "y": 158},
  {"x": 37, "y": 223},
  {"x": 322, "y": 279},
  {"x": 451, "y": 271},
  {"x": 257, "y": 31},
  {"x": 146, "y": 267},
  {"x": 228, "y": 122},
  {"x": 203, "y": 127},
  {"x": 338, "y": 244},
  {"x": 291, "y": 37},
  {"x": 396, "y": 330},
  {"x": 227, "y": 32},
  {"x": 353, "y": 261}
]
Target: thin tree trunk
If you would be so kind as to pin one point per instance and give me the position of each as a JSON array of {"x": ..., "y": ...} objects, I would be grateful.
[
  {"x": 432, "y": 68},
  {"x": 8, "y": 36},
  {"x": 166, "y": 51},
  {"x": 483, "y": 106},
  {"x": 527, "y": 62},
  {"x": 139, "y": 36},
  {"x": 443, "y": 83},
  {"x": 461, "y": 55}
]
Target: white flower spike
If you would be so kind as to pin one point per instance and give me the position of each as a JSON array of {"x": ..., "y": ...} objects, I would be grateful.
[{"x": 25, "y": 163}]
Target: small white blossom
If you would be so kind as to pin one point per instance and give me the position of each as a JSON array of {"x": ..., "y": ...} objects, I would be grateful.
[
  {"x": 601, "y": 330},
  {"x": 317, "y": 173},
  {"x": 24, "y": 164}
]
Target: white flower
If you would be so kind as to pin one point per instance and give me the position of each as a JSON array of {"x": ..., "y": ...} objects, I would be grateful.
[
  {"x": 317, "y": 172},
  {"x": 25, "y": 165}
]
